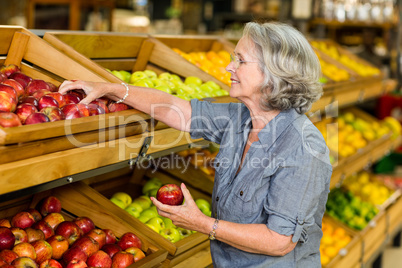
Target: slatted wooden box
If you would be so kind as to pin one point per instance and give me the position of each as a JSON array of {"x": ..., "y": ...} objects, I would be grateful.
[
  {"x": 76, "y": 202},
  {"x": 101, "y": 188}
]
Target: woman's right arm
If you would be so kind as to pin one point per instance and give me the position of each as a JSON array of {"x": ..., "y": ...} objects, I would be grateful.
[{"x": 171, "y": 110}]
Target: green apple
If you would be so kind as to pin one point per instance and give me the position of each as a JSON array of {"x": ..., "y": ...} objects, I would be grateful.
[
  {"x": 175, "y": 78},
  {"x": 153, "y": 227},
  {"x": 168, "y": 222},
  {"x": 118, "y": 202},
  {"x": 165, "y": 76},
  {"x": 157, "y": 222},
  {"x": 183, "y": 96},
  {"x": 164, "y": 88},
  {"x": 137, "y": 76},
  {"x": 213, "y": 85},
  {"x": 149, "y": 213},
  {"x": 193, "y": 80},
  {"x": 119, "y": 75},
  {"x": 126, "y": 75},
  {"x": 145, "y": 82},
  {"x": 152, "y": 193},
  {"x": 203, "y": 205},
  {"x": 143, "y": 218},
  {"x": 134, "y": 209},
  {"x": 195, "y": 87},
  {"x": 220, "y": 93},
  {"x": 144, "y": 201},
  {"x": 157, "y": 82},
  {"x": 171, "y": 234},
  {"x": 207, "y": 88},
  {"x": 124, "y": 197},
  {"x": 150, "y": 73},
  {"x": 151, "y": 184},
  {"x": 184, "y": 232}
]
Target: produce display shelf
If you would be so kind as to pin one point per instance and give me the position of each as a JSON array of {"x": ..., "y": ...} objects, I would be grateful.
[{"x": 76, "y": 203}]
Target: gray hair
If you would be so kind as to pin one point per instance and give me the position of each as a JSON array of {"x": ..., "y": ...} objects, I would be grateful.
[{"x": 290, "y": 65}]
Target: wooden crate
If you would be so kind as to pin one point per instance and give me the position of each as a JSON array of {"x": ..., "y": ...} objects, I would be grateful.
[
  {"x": 77, "y": 203},
  {"x": 130, "y": 52},
  {"x": 26, "y": 50},
  {"x": 373, "y": 236},
  {"x": 103, "y": 187}
]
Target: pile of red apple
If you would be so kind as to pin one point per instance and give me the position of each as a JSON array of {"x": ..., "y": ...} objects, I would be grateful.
[
  {"x": 42, "y": 238},
  {"x": 24, "y": 101}
]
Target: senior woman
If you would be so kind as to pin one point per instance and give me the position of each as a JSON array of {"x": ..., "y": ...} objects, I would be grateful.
[{"x": 272, "y": 170}]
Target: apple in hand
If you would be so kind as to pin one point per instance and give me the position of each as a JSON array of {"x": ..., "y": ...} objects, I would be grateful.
[
  {"x": 59, "y": 245},
  {"x": 129, "y": 240},
  {"x": 170, "y": 194},
  {"x": 122, "y": 259},
  {"x": 88, "y": 244},
  {"x": 7, "y": 238},
  {"x": 36, "y": 118},
  {"x": 43, "y": 250},
  {"x": 85, "y": 224},
  {"x": 7, "y": 102},
  {"x": 19, "y": 234},
  {"x": 25, "y": 249},
  {"x": 138, "y": 254},
  {"x": 53, "y": 219},
  {"x": 110, "y": 236},
  {"x": 8, "y": 255},
  {"x": 9, "y": 119},
  {"x": 22, "y": 220},
  {"x": 99, "y": 235},
  {"x": 45, "y": 227},
  {"x": 71, "y": 98},
  {"x": 99, "y": 259},
  {"x": 111, "y": 249},
  {"x": 69, "y": 230},
  {"x": 34, "y": 234},
  {"x": 24, "y": 262},
  {"x": 51, "y": 263}
]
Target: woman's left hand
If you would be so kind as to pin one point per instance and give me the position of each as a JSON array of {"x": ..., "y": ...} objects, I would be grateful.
[{"x": 187, "y": 215}]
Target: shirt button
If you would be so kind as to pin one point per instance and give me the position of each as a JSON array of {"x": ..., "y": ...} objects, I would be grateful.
[
  {"x": 217, "y": 198},
  {"x": 217, "y": 164},
  {"x": 241, "y": 193}
]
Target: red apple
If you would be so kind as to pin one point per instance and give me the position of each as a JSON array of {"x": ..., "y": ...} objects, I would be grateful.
[
  {"x": 35, "y": 213},
  {"x": 25, "y": 249},
  {"x": 99, "y": 235},
  {"x": 71, "y": 111},
  {"x": 24, "y": 110},
  {"x": 95, "y": 109},
  {"x": 8, "y": 119},
  {"x": 99, "y": 259},
  {"x": 53, "y": 113},
  {"x": 85, "y": 224},
  {"x": 34, "y": 234},
  {"x": 52, "y": 87},
  {"x": 83, "y": 109},
  {"x": 9, "y": 69},
  {"x": 7, "y": 238},
  {"x": 128, "y": 240},
  {"x": 22, "y": 220},
  {"x": 51, "y": 263},
  {"x": 35, "y": 85},
  {"x": 88, "y": 244},
  {"x": 47, "y": 101},
  {"x": 170, "y": 194},
  {"x": 101, "y": 103},
  {"x": 5, "y": 223},
  {"x": 111, "y": 249},
  {"x": 8, "y": 255},
  {"x": 2, "y": 77},
  {"x": 79, "y": 93},
  {"x": 58, "y": 97},
  {"x": 19, "y": 89},
  {"x": 69, "y": 230},
  {"x": 10, "y": 90},
  {"x": 7, "y": 102},
  {"x": 50, "y": 204},
  {"x": 30, "y": 100},
  {"x": 53, "y": 219},
  {"x": 36, "y": 118},
  {"x": 19, "y": 234},
  {"x": 71, "y": 98},
  {"x": 59, "y": 245},
  {"x": 74, "y": 253},
  {"x": 122, "y": 259},
  {"x": 43, "y": 250},
  {"x": 40, "y": 93},
  {"x": 116, "y": 107},
  {"x": 2, "y": 262},
  {"x": 44, "y": 225},
  {"x": 110, "y": 236},
  {"x": 137, "y": 253},
  {"x": 24, "y": 262},
  {"x": 76, "y": 264},
  {"x": 21, "y": 78}
]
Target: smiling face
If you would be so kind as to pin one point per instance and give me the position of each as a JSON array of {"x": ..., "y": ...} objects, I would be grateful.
[{"x": 247, "y": 78}]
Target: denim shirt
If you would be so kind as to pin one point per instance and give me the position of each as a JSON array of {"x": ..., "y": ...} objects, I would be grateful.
[{"x": 283, "y": 182}]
